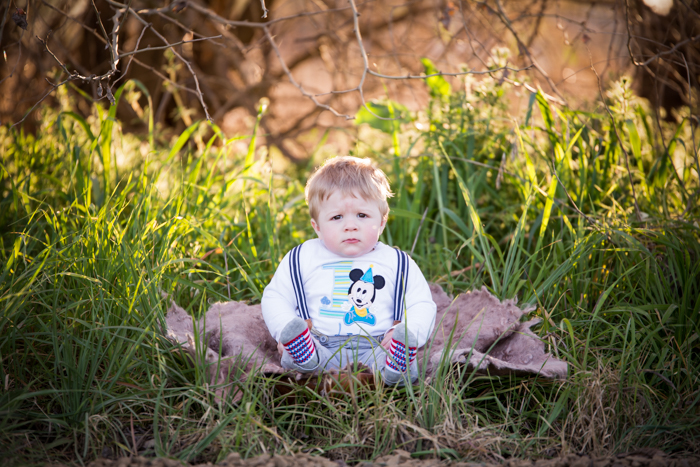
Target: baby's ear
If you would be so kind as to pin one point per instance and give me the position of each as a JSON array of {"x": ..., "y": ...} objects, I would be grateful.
[
  {"x": 379, "y": 282},
  {"x": 356, "y": 274}
]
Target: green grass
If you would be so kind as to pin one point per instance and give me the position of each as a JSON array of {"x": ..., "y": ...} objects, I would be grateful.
[{"x": 95, "y": 224}]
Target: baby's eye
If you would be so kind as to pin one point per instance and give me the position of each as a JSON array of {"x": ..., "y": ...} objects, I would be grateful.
[
  {"x": 362, "y": 215},
  {"x": 336, "y": 218}
]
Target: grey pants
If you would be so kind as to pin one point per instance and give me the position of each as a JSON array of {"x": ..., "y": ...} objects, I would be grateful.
[{"x": 335, "y": 352}]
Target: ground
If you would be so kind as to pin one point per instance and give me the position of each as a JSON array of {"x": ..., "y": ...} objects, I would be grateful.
[{"x": 641, "y": 458}]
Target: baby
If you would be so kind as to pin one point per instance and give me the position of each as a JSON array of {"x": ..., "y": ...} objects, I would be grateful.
[{"x": 334, "y": 299}]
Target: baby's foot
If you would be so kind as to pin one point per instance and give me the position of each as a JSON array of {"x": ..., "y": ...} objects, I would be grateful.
[
  {"x": 297, "y": 341},
  {"x": 397, "y": 361}
]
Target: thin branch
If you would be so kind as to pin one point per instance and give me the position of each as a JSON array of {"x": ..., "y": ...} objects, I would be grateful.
[
  {"x": 301, "y": 89},
  {"x": 53, "y": 88},
  {"x": 4, "y": 18},
  {"x": 363, "y": 53},
  {"x": 115, "y": 33},
  {"x": 441, "y": 73},
  {"x": 667, "y": 52},
  {"x": 690, "y": 109},
  {"x": 264, "y": 9},
  {"x": 617, "y": 135},
  {"x": 131, "y": 59},
  {"x": 134, "y": 58},
  {"x": 45, "y": 43},
  {"x": 104, "y": 31},
  {"x": 175, "y": 52},
  {"x": 590, "y": 220},
  {"x": 164, "y": 47},
  {"x": 19, "y": 58},
  {"x": 247, "y": 24},
  {"x": 523, "y": 48}
]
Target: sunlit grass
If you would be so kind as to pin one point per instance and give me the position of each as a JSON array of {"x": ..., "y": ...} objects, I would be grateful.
[{"x": 541, "y": 210}]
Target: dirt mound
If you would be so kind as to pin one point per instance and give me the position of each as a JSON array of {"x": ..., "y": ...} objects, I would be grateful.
[{"x": 641, "y": 458}]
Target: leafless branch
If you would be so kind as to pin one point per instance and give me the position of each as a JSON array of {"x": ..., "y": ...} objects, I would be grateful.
[
  {"x": 264, "y": 9},
  {"x": 165, "y": 47},
  {"x": 252, "y": 56},
  {"x": 175, "y": 52},
  {"x": 619, "y": 139},
  {"x": 303, "y": 91},
  {"x": 46, "y": 94},
  {"x": 690, "y": 108},
  {"x": 4, "y": 18},
  {"x": 104, "y": 33},
  {"x": 667, "y": 52},
  {"x": 523, "y": 48}
]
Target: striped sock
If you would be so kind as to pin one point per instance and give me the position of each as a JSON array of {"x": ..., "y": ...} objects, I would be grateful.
[
  {"x": 396, "y": 358},
  {"x": 301, "y": 348}
]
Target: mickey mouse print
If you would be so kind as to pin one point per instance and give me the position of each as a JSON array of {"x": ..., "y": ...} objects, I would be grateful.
[{"x": 361, "y": 296}]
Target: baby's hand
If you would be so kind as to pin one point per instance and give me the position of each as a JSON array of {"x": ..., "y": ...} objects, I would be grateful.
[
  {"x": 280, "y": 347},
  {"x": 386, "y": 342}
]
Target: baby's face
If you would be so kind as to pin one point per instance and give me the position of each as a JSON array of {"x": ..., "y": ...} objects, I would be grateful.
[{"x": 348, "y": 225}]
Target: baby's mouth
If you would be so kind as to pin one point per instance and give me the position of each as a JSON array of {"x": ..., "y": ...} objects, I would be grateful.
[{"x": 351, "y": 240}]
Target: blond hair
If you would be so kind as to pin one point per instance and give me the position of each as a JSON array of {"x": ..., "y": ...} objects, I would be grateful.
[{"x": 350, "y": 176}]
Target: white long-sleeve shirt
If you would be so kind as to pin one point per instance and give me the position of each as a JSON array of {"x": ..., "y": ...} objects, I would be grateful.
[{"x": 345, "y": 296}]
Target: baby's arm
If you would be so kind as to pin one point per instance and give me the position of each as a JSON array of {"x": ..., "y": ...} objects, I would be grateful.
[
  {"x": 420, "y": 310},
  {"x": 278, "y": 301}
]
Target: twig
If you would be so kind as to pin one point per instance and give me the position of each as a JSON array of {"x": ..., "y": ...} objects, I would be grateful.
[
  {"x": 264, "y": 9},
  {"x": 666, "y": 52},
  {"x": 301, "y": 89},
  {"x": 175, "y": 52},
  {"x": 115, "y": 33},
  {"x": 690, "y": 110},
  {"x": 538, "y": 21},
  {"x": 441, "y": 73},
  {"x": 590, "y": 220},
  {"x": 164, "y": 47},
  {"x": 617, "y": 135},
  {"x": 363, "y": 53},
  {"x": 104, "y": 33},
  {"x": 19, "y": 57},
  {"x": 53, "y": 88},
  {"x": 135, "y": 450},
  {"x": 135, "y": 59},
  {"x": 4, "y": 18},
  {"x": 523, "y": 48},
  {"x": 420, "y": 226},
  {"x": 45, "y": 43},
  {"x": 131, "y": 58},
  {"x": 247, "y": 24}
]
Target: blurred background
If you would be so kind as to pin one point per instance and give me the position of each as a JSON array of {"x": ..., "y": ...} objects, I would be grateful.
[{"x": 223, "y": 58}]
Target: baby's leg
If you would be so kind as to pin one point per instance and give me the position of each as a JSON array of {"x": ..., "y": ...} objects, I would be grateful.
[
  {"x": 302, "y": 352},
  {"x": 376, "y": 357},
  {"x": 400, "y": 363}
]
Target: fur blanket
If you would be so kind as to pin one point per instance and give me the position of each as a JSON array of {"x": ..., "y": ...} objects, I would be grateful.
[{"x": 475, "y": 329}]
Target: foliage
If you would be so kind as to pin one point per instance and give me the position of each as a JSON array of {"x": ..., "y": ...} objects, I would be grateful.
[{"x": 96, "y": 224}]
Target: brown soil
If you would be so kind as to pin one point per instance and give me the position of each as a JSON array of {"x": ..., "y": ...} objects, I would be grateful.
[{"x": 641, "y": 458}]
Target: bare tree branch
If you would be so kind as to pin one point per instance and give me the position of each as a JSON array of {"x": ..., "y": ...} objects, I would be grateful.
[
  {"x": 165, "y": 47},
  {"x": 232, "y": 59},
  {"x": 264, "y": 9},
  {"x": 619, "y": 140}
]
